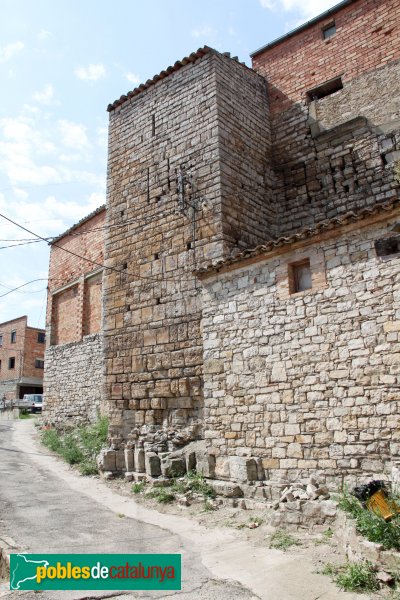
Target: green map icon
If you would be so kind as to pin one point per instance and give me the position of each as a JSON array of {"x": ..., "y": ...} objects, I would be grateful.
[{"x": 24, "y": 569}]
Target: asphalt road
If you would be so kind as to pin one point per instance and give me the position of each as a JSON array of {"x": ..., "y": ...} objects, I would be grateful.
[{"x": 45, "y": 507}]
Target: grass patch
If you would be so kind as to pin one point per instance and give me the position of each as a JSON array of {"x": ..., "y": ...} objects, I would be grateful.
[
  {"x": 25, "y": 415},
  {"x": 193, "y": 482},
  {"x": 282, "y": 540},
  {"x": 162, "y": 495},
  {"x": 370, "y": 525},
  {"x": 138, "y": 488},
  {"x": 353, "y": 577},
  {"x": 79, "y": 446}
]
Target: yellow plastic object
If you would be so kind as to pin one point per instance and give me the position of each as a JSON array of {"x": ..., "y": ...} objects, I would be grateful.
[{"x": 380, "y": 505}]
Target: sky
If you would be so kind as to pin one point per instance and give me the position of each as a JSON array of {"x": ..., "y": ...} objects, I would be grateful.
[{"x": 61, "y": 63}]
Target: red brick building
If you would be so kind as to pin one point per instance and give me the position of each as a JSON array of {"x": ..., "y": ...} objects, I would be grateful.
[
  {"x": 21, "y": 358},
  {"x": 72, "y": 380}
]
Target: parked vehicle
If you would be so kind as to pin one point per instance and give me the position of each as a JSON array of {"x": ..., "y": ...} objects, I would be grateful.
[{"x": 34, "y": 402}]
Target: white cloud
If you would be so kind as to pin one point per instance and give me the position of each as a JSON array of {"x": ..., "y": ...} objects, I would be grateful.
[
  {"x": 45, "y": 96},
  {"x": 73, "y": 135},
  {"x": 307, "y": 8},
  {"x": 132, "y": 78},
  {"x": 91, "y": 72},
  {"x": 8, "y": 51},
  {"x": 44, "y": 35},
  {"x": 204, "y": 32}
]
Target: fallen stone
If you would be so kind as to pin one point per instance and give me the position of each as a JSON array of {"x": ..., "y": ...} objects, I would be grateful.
[
  {"x": 128, "y": 476},
  {"x": 108, "y": 475},
  {"x": 227, "y": 489},
  {"x": 243, "y": 469},
  {"x": 385, "y": 578}
]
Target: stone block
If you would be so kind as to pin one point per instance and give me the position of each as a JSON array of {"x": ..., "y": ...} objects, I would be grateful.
[
  {"x": 227, "y": 489},
  {"x": 205, "y": 464},
  {"x": 139, "y": 460},
  {"x": 107, "y": 460},
  {"x": 129, "y": 460},
  {"x": 152, "y": 464},
  {"x": 243, "y": 469}
]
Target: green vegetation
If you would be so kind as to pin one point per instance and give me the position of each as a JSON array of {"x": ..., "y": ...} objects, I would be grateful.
[
  {"x": 162, "y": 495},
  {"x": 370, "y": 525},
  {"x": 23, "y": 414},
  {"x": 353, "y": 577},
  {"x": 282, "y": 540},
  {"x": 79, "y": 446},
  {"x": 138, "y": 488},
  {"x": 193, "y": 482}
]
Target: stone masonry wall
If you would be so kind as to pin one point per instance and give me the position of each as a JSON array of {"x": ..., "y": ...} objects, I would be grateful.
[
  {"x": 306, "y": 382},
  {"x": 153, "y": 347},
  {"x": 324, "y": 173},
  {"x": 73, "y": 382},
  {"x": 73, "y": 376}
]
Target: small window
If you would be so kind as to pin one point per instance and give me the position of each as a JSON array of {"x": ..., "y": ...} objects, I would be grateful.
[
  {"x": 11, "y": 362},
  {"x": 300, "y": 277},
  {"x": 0, "y": 365},
  {"x": 1, "y": 340},
  {"x": 41, "y": 337},
  {"x": 387, "y": 246},
  {"x": 39, "y": 364},
  {"x": 325, "y": 89},
  {"x": 13, "y": 337},
  {"x": 328, "y": 31}
]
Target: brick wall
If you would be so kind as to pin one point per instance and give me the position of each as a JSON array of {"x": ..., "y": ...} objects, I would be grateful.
[
  {"x": 367, "y": 37},
  {"x": 25, "y": 351},
  {"x": 306, "y": 382},
  {"x": 73, "y": 365}
]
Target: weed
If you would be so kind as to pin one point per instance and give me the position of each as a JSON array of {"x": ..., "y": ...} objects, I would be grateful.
[
  {"x": 281, "y": 540},
  {"x": 121, "y": 515},
  {"x": 88, "y": 467},
  {"x": 197, "y": 483},
  {"x": 138, "y": 488},
  {"x": 330, "y": 570},
  {"x": 258, "y": 520},
  {"x": 328, "y": 533},
  {"x": 80, "y": 446},
  {"x": 52, "y": 440},
  {"x": 208, "y": 507},
  {"x": 357, "y": 577},
  {"x": 370, "y": 525},
  {"x": 70, "y": 450},
  {"x": 25, "y": 415},
  {"x": 162, "y": 495}
]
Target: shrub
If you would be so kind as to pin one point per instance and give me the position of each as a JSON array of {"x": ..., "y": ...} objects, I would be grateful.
[
  {"x": 80, "y": 446},
  {"x": 138, "y": 488},
  {"x": 51, "y": 439},
  {"x": 370, "y": 525},
  {"x": 353, "y": 577}
]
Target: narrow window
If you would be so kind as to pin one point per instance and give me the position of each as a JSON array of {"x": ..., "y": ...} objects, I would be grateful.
[
  {"x": 41, "y": 337},
  {"x": 13, "y": 337},
  {"x": 39, "y": 364},
  {"x": 325, "y": 89},
  {"x": 387, "y": 246},
  {"x": 328, "y": 31},
  {"x": 0, "y": 365},
  {"x": 300, "y": 277},
  {"x": 1, "y": 340},
  {"x": 11, "y": 362}
]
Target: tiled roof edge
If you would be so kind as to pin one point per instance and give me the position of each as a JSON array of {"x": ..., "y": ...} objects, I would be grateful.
[
  {"x": 307, "y": 232},
  {"x": 78, "y": 224}
]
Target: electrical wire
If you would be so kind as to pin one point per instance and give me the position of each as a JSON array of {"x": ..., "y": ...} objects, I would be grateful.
[
  {"x": 20, "y": 286},
  {"x": 93, "y": 262}
]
